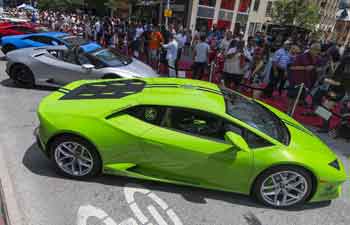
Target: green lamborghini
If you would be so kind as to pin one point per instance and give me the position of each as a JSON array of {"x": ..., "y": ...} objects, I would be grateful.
[{"x": 189, "y": 133}]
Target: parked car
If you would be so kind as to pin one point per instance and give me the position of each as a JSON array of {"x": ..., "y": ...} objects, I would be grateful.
[
  {"x": 44, "y": 39},
  {"x": 9, "y": 28},
  {"x": 62, "y": 65},
  {"x": 186, "y": 132}
]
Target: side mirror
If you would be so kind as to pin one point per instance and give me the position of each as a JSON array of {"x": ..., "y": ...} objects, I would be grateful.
[
  {"x": 237, "y": 141},
  {"x": 88, "y": 67}
]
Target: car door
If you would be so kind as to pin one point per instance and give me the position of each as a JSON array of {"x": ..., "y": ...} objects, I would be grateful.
[
  {"x": 189, "y": 146},
  {"x": 62, "y": 70}
]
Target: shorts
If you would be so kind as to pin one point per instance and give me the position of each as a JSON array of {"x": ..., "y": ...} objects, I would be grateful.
[{"x": 231, "y": 77}]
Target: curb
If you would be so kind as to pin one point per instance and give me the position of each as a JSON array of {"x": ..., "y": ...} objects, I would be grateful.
[
  {"x": 4, "y": 219},
  {"x": 14, "y": 214}
]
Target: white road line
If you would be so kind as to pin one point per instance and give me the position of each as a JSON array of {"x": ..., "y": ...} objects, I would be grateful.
[
  {"x": 130, "y": 192},
  {"x": 172, "y": 215},
  {"x": 87, "y": 211},
  {"x": 130, "y": 221},
  {"x": 138, "y": 213},
  {"x": 109, "y": 221},
  {"x": 158, "y": 200},
  {"x": 156, "y": 215}
]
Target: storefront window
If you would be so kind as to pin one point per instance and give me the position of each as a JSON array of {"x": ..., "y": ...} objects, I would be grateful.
[
  {"x": 207, "y": 2},
  {"x": 228, "y": 4},
  {"x": 244, "y": 6}
]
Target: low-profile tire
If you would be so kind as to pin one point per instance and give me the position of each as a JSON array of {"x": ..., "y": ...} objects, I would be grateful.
[
  {"x": 8, "y": 48},
  {"x": 293, "y": 186},
  {"x": 22, "y": 76},
  {"x": 75, "y": 157},
  {"x": 111, "y": 76}
]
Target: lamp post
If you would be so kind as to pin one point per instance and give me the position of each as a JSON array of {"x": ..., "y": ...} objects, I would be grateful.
[{"x": 167, "y": 18}]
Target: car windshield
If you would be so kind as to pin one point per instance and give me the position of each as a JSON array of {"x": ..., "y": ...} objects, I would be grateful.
[
  {"x": 255, "y": 115},
  {"x": 74, "y": 40},
  {"x": 111, "y": 57}
]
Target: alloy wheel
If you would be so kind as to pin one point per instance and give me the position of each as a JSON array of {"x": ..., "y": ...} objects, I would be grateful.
[
  {"x": 284, "y": 188},
  {"x": 74, "y": 159}
]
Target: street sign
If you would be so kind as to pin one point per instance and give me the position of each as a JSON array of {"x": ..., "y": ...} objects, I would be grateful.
[{"x": 168, "y": 12}]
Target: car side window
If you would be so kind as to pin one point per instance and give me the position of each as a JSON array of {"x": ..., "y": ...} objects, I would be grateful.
[
  {"x": 254, "y": 141},
  {"x": 98, "y": 64},
  {"x": 41, "y": 39},
  {"x": 195, "y": 123},
  {"x": 83, "y": 59},
  {"x": 149, "y": 114}
]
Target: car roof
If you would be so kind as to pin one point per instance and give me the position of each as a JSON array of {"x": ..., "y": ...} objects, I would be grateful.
[
  {"x": 183, "y": 93},
  {"x": 176, "y": 92}
]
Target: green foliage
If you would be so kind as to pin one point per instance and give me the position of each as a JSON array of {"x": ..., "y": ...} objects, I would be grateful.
[
  {"x": 60, "y": 4},
  {"x": 300, "y": 13}
]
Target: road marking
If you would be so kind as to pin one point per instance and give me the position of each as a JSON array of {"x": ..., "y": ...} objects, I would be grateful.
[
  {"x": 154, "y": 212},
  {"x": 138, "y": 213},
  {"x": 173, "y": 216},
  {"x": 87, "y": 211},
  {"x": 158, "y": 200},
  {"x": 131, "y": 190}
]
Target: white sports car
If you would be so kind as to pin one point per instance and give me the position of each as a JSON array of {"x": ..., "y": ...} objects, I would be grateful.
[{"x": 62, "y": 65}]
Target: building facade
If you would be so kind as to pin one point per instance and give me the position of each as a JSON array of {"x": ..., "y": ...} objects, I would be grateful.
[
  {"x": 328, "y": 10},
  {"x": 240, "y": 16}
]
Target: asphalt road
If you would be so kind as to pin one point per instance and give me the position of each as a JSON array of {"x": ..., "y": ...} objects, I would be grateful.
[{"x": 47, "y": 199}]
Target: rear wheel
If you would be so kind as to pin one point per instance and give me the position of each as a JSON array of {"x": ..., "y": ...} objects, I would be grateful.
[
  {"x": 283, "y": 187},
  {"x": 22, "y": 76},
  {"x": 8, "y": 48},
  {"x": 75, "y": 157}
]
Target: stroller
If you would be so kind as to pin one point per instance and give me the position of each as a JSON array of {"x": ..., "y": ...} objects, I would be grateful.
[{"x": 342, "y": 129}]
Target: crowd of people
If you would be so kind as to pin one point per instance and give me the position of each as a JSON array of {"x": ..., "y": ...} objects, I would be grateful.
[{"x": 261, "y": 65}]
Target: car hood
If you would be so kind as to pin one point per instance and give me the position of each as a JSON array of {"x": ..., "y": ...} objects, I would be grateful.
[{"x": 137, "y": 69}]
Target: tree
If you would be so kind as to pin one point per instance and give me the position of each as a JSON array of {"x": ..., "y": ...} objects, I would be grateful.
[
  {"x": 60, "y": 4},
  {"x": 299, "y": 13}
]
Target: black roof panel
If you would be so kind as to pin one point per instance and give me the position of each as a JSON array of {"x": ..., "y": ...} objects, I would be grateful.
[{"x": 106, "y": 90}]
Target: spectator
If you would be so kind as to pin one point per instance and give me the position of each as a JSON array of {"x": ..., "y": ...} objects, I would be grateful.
[
  {"x": 171, "y": 55},
  {"x": 156, "y": 40},
  {"x": 303, "y": 71},
  {"x": 234, "y": 65},
  {"x": 281, "y": 60},
  {"x": 201, "y": 56},
  {"x": 225, "y": 43},
  {"x": 181, "y": 40}
]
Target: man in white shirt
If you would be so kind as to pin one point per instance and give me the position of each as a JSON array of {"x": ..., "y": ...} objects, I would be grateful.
[
  {"x": 172, "y": 48},
  {"x": 181, "y": 41},
  {"x": 201, "y": 55},
  {"x": 137, "y": 40}
]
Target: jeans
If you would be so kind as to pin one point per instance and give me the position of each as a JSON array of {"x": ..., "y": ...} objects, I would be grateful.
[{"x": 172, "y": 71}]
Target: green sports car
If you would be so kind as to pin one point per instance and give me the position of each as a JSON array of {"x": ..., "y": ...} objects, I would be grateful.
[{"x": 186, "y": 132}]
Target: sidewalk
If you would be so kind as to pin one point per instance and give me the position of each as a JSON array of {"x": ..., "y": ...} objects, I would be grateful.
[{"x": 3, "y": 210}]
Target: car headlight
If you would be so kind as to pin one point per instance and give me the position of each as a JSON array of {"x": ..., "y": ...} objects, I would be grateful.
[{"x": 335, "y": 164}]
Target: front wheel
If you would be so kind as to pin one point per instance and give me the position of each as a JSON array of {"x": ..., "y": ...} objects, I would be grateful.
[
  {"x": 75, "y": 157},
  {"x": 283, "y": 187}
]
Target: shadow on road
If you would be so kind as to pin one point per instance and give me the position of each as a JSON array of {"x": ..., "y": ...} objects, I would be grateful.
[
  {"x": 37, "y": 163},
  {"x": 10, "y": 84}
]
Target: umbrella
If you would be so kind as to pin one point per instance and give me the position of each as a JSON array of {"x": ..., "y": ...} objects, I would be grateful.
[{"x": 26, "y": 7}]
